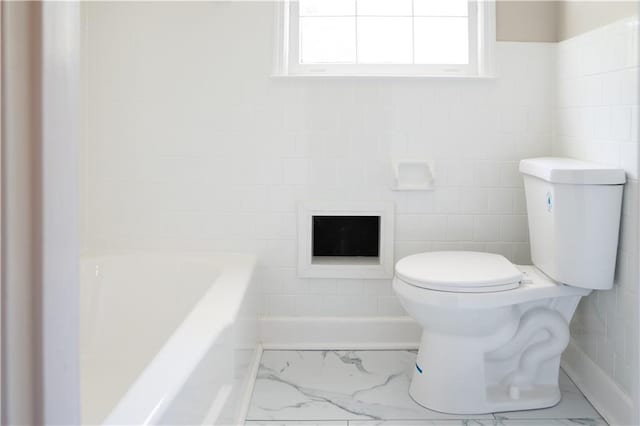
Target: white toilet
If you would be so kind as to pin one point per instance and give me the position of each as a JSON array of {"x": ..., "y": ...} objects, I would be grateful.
[{"x": 493, "y": 332}]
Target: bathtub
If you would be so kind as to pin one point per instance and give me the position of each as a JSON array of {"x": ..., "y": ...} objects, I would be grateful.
[{"x": 167, "y": 339}]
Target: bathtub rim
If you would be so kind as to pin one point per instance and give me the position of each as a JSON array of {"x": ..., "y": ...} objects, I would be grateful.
[{"x": 147, "y": 398}]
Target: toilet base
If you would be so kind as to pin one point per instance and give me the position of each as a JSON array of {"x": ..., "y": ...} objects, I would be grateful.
[
  {"x": 539, "y": 396},
  {"x": 453, "y": 374},
  {"x": 491, "y": 359},
  {"x": 498, "y": 400}
]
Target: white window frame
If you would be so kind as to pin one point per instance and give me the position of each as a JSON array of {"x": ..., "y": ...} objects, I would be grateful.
[{"x": 482, "y": 30}]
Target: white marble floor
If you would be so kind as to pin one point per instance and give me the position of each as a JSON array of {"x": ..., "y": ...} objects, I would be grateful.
[{"x": 370, "y": 388}]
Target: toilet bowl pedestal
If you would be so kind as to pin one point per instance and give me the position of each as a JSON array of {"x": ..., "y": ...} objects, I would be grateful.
[
  {"x": 457, "y": 373},
  {"x": 493, "y": 351},
  {"x": 449, "y": 374}
]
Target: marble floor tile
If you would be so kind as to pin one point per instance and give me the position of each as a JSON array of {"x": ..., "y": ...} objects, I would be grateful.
[
  {"x": 465, "y": 422},
  {"x": 572, "y": 406},
  {"x": 552, "y": 422},
  {"x": 479, "y": 422},
  {"x": 296, "y": 423},
  {"x": 336, "y": 385},
  {"x": 368, "y": 388}
]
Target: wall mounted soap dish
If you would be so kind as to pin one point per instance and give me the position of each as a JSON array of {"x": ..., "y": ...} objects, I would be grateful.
[{"x": 412, "y": 175}]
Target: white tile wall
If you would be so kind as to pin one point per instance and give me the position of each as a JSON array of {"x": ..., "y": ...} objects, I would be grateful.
[
  {"x": 191, "y": 145},
  {"x": 597, "y": 114}
]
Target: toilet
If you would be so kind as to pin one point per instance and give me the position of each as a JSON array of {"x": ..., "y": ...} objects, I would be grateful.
[{"x": 493, "y": 332}]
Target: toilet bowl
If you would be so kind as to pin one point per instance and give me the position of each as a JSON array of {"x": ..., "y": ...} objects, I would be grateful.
[
  {"x": 493, "y": 332},
  {"x": 496, "y": 348}
]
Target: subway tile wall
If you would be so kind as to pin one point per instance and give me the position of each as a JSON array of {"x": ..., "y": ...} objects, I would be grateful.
[
  {"x": 597, "y": 119},
  {"x": 191, "y": 145}
]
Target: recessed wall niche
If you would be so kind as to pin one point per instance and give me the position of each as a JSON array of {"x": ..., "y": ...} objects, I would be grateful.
[
  {"x": 345, "y": 241},
  {"x": 351, "y": 238}
]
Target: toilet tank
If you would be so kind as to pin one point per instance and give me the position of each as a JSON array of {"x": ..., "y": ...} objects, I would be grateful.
[{"x": 573, "y": 212}]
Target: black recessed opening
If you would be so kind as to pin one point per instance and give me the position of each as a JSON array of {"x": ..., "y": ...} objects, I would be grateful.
[{"x": 346, "y": 236}]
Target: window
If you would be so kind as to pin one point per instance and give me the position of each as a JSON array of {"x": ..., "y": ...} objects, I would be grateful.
[{"x": 386, "y": 37}]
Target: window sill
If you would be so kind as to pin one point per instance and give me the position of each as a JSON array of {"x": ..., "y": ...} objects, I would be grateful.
[{"x": 384, "y": 76}]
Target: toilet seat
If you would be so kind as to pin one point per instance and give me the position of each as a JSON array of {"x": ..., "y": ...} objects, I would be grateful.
[
  {"x": 534, "y": 286},
  {"x": 459, "y": 272}
]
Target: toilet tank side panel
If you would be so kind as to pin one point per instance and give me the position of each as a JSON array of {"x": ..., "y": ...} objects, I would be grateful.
[
  {"x": 574, "y": 231},
  {"x": 588, "y": 237}
]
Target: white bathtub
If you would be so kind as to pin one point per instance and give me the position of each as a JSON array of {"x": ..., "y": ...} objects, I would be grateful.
[{"x": 167, "y": 339}]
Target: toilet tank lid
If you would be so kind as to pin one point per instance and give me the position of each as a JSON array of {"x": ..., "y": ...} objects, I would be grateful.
[{"x": 570, "y": 171}]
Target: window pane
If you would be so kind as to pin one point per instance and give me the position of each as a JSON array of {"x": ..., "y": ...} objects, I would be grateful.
[
  {"x": 385, "y": 7},
  {"x": 440, "y": 8},
  {"x": 441, "y": 41},
  {"x": 327, "y": 7},
  {"x": 327, "y": 40},
  {"x": 384, "y": 40}
]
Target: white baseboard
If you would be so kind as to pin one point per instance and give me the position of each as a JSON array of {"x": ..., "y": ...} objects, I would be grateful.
[
  {"x": 339, "y": 333},
  {"x": 603, "y": 393}
]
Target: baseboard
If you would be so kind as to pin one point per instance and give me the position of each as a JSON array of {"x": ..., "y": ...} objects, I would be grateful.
[
  {"x": 603, "y": 393},
  {"x": 339, "y": 333},
  {"x": 245, "y": 400}
]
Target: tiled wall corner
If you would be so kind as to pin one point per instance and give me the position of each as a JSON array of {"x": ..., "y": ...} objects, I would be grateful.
[{"x": 597, "y": 119}]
